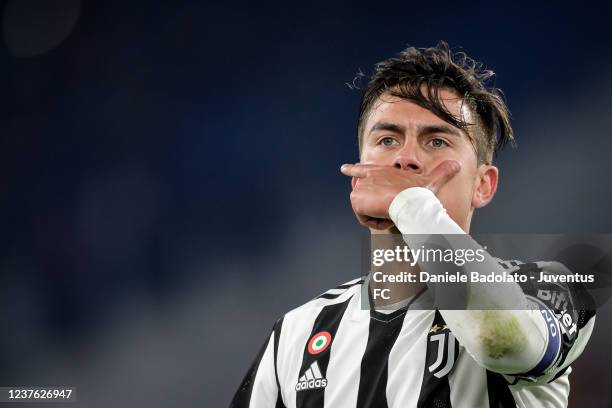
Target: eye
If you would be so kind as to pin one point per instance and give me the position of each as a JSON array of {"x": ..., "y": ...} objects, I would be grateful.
[
  {"x": 438, "y": 143},
  {"x": 387, "y": 141}
]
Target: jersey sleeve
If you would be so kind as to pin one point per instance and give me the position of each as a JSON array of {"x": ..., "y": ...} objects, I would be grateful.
[
  {"x": 569, "y": 315},
  {"x": 260, "y": 386}
]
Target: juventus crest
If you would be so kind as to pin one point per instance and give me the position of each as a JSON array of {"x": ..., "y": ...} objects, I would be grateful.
[{"x": 442, "y": 349}]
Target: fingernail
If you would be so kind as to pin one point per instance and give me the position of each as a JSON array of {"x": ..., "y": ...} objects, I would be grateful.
[{"x": 343, "y": 167}]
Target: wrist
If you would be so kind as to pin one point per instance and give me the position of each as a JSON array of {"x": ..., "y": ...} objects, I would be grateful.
[{"x": 417, "y": 210}]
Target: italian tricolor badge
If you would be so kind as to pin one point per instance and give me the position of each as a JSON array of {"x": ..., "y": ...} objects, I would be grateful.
[{"x": 319, "y": 342}]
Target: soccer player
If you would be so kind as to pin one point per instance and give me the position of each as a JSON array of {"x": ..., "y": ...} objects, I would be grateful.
[{"x": 428, "y": 129}]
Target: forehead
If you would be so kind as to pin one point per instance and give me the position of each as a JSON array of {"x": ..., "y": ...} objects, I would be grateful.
[{"x": 394, "y": 109}]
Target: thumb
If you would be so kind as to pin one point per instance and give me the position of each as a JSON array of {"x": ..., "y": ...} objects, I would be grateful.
[{"x": 442, "y": 174}]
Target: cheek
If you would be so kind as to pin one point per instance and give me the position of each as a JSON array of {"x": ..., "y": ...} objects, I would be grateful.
[
  {"x": 374, "y": 156},
  {"x": 456, "y": 195},
  {"x": 364, "y": 155}
]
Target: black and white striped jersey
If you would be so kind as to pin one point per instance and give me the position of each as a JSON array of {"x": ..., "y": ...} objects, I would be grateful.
[{"x": 331, "y": 352}]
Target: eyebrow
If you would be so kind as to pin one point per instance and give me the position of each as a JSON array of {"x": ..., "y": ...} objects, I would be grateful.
[
  {"x": 421, "y": 129},
  {"x": 388, "y": 126}
]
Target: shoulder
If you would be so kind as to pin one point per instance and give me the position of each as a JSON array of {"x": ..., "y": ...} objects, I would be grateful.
[{"x": 334, "y": 296}]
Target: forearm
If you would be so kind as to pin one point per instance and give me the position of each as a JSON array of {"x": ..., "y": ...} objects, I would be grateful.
[{"x": 496, "y": 325}]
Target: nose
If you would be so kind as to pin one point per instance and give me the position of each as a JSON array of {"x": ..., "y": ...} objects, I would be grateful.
[{"x": 406, "y": 159}]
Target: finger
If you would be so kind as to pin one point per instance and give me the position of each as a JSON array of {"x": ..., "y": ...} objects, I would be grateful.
[
  {"x": 353, "y": 170},
  {"x": 359, "y": 169},
  {"x": 442, "y": 174},
  {"x": 379, "y": 223}
]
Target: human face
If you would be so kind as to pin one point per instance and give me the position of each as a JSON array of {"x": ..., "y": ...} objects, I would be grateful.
[{"x": 400, "y": 133}]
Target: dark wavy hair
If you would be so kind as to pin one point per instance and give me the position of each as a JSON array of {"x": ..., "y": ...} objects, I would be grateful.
[{"x": 438, "y": 68}]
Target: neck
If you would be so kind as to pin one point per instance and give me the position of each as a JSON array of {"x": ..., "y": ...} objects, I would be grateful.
[{"x": 384, "y": 278}]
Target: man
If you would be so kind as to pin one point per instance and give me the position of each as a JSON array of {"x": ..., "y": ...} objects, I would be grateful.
[{"x": 428, "y": 130}]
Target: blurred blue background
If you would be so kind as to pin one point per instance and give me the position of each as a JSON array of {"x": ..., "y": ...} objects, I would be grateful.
[{"x": 169, "y": 180}]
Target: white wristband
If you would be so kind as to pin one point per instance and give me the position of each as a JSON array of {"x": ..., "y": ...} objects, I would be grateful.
[{"x": 417, "y": 210}]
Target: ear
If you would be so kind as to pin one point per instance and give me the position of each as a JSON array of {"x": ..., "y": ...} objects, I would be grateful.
[{"x": 485, "y": 185}]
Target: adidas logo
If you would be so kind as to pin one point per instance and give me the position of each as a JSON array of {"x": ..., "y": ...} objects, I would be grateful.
[{"x": 311, "y": 379}]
